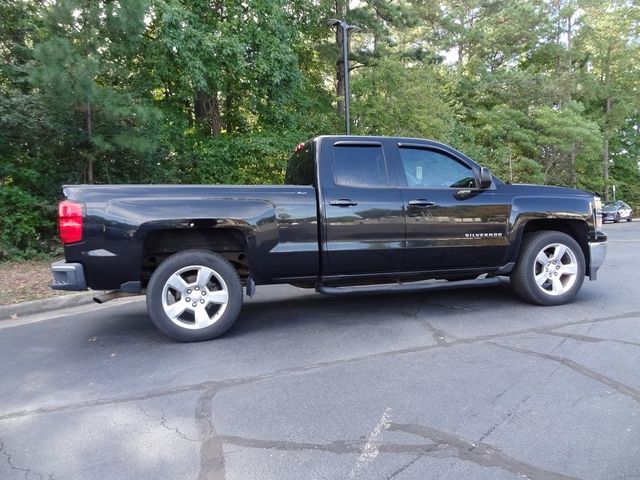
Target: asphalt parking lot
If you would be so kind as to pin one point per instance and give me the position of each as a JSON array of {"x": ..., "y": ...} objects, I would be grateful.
[{"x": 460, "y": 384}]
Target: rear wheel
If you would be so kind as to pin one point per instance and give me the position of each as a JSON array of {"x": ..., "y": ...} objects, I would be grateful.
[
  {"x": 194, "y": 295},
  {"x": 550, "y": 270}
]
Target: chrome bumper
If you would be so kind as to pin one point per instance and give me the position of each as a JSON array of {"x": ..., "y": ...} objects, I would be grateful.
[
  {"x": 597, "y": 254},
  {"x": 68, "y": 276}
]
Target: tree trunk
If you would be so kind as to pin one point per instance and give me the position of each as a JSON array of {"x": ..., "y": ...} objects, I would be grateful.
[
  {"x": 569, "y": 33},
  {"x": 463, "y": 25},
  {"x": 214, "y": 115},
  {"x": 200, "y": 108},
  {"x": 207, "y": 111},
  {"x": 228, "y": 111}
]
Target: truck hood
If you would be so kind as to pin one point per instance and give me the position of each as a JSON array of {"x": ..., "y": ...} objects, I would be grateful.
[{"x": 548, "y": 190}]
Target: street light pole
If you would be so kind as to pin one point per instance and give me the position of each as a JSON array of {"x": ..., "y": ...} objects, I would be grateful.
[{"x": 346, "y": 30}]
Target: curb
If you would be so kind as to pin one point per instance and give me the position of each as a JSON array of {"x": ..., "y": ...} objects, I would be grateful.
[{"x": 46, "y": 304}]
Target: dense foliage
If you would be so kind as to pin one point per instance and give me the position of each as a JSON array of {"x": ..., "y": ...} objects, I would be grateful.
[{"x": 220, "y": 91}]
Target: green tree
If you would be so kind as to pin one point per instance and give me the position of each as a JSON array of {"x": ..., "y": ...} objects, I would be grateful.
[
  {"x": 569, "y": 145},
  {"x": 611, "y": 76},
  {"x": 78, "y": 72},
  {"x": 391, "y": 99}
]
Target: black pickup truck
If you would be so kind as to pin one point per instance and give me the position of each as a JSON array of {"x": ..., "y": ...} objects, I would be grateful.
[{"x": 356, "y": 211}]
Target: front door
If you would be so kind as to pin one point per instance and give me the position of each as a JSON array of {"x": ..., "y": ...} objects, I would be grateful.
[{"x": 450, "y": 224}]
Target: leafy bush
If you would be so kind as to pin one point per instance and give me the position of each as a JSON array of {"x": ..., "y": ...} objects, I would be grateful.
[{"x": 27, "y": 225}]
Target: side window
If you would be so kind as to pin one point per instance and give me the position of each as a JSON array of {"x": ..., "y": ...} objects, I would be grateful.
[
  {"x": 431, "y": 169},
  {"x": 360, "y": 166},
  {"x": 301, "y": 167}
]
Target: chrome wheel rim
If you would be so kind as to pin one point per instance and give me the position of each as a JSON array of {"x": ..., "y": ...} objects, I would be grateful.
[
  {"x": 555, "y": 269},
  {"x": 195, "y": 297}
]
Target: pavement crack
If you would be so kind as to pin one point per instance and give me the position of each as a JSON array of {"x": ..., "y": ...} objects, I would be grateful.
[
  {"x": 589, "y": 338},
  {"x": 438, "y": 335},
  {"x": 175, "y": 430},
  {"x": 457, "y": 308},
  {"x": 503, "y": 392},
  {"x": 27, "y": 471},
  {"x": 479, "y": 453},
  {"x": 164, "y": 424},
  {"x": 404, "y": 467},
  {"x": 212, "y": 464},
  {"x": 337, "y": 447},
  {"x": 440, "y": 444},
  {"x": 573, "y": 336},
  {"x": 504, "y": 418},
  {"x": 620, "y": 387},
  {"x": 203, "y": 386}
]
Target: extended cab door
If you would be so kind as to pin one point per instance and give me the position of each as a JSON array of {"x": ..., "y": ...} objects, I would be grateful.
[
  {"x": 450, "y": 222},
  {"x": 362, "y": 209}
]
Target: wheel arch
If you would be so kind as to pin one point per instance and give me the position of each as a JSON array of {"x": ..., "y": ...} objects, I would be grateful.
[
  {"x": 230, "y": 243},
  {"x": 576, "y": 229}
]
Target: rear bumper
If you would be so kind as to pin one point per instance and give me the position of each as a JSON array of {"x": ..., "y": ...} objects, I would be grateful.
[
  {"x": 597, "y": 254},
  {"x": 68, "y": 276}
]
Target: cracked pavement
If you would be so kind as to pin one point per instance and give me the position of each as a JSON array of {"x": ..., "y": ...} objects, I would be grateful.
[{"x": 458, "y": 384}]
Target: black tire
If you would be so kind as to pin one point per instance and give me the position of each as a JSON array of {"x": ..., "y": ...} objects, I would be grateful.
[
  {"x": 528, "y": 268},
  {"x": 617, "y": 218},
  {"x": 630, "y": 217},
  {"x": 223, "y": 280}
]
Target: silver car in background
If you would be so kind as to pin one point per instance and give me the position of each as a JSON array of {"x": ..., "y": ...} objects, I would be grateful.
[{"x": 616, "y": 211}]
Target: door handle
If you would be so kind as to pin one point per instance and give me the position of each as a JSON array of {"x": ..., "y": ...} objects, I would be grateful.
[
  {"x": 343, "y": 202},
  {"x": 421, "y": 202}
]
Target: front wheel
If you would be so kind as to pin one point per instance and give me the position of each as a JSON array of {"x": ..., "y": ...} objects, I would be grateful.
[
  {"x": 617, "y": 218},
  {"x": 550, "y": 270},
  {"x": 194, "y": 295},
  {"x": 630, "y": 217}
]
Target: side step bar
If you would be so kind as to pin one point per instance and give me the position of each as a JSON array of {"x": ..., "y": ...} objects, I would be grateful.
[
  {"x": 429, "y": 285},
  {"x": 107, "y": 297}
]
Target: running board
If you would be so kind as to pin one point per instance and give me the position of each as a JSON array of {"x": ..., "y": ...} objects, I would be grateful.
[
  {"x": 429, "y": 285},
  {"x": 107, "y": 297}
]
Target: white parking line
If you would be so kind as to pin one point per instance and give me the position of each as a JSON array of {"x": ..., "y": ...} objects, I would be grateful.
[{"x": 371, "y": 448}]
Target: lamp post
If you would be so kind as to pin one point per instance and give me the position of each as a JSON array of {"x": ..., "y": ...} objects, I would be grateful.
[{"x": 346, "y": 30}]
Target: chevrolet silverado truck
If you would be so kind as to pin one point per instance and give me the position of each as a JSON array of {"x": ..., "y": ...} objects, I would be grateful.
[{"x": 356, "y": 212}]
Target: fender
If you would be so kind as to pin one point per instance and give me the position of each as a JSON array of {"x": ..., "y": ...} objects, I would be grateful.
[{"x": 553, "y": 210}]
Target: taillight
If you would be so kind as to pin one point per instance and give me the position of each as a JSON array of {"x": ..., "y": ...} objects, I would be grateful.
[
  {"x": 597, "y": 210},
  {"x": 70, "y": 220}
]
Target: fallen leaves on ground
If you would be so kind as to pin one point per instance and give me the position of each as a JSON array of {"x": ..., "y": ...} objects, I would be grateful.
[{"x": 21, "y": 281}]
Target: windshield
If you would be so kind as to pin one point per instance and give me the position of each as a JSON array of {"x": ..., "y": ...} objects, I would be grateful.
[{"x": 609, "y": 206}]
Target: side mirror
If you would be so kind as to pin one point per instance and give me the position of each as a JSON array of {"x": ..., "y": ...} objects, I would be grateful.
[{"x": 485, "y": 178}]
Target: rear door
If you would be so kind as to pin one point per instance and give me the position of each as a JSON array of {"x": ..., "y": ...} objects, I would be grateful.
[
  {"x": 450, "y": 224},
  {"x": 364, "y": 223}
]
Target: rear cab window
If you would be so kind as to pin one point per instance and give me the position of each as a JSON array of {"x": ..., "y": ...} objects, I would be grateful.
[
  {"x": 301, "y": 167},
  {"x": 360, "y": 165}
]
